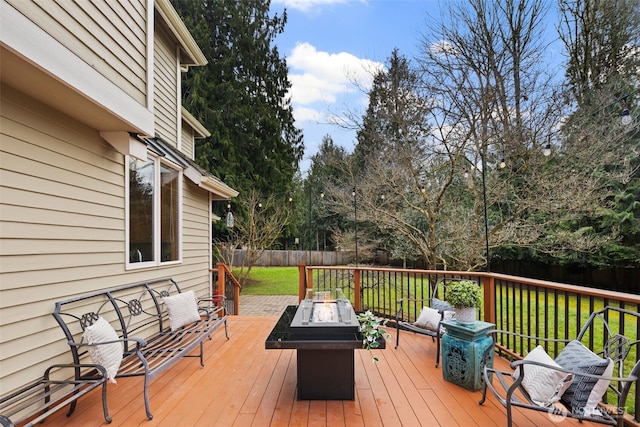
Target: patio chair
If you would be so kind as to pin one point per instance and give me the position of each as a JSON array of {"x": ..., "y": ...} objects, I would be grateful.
[
  {"x": 576, "y": 382},
  {"x": 432, "y": 312}
]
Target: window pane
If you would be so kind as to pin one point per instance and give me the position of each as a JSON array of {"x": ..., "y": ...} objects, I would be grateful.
[
  {"x": 141, "y": 178},
  {"x": 169, "y": 213}
]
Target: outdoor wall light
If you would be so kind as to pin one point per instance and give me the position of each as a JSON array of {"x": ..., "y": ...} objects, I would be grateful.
[
  {"x": 502, "y": 164},
  {"x": 547, "y": 150}
]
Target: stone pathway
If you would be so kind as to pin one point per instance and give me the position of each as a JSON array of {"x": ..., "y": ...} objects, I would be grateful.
[{"x": 265, "y": 305}]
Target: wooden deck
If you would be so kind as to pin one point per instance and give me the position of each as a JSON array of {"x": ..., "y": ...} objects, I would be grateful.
[{"x": 242, "y": 384}]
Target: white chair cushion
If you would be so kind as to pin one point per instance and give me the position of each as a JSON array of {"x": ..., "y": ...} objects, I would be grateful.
[{"x": 182, "y": 309}]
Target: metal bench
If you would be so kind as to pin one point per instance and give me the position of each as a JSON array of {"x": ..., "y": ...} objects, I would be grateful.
[
  {"x": 603, "y": 335},
  {"x": 141, "y": 321},
  {"x": 37, "y": 400}
]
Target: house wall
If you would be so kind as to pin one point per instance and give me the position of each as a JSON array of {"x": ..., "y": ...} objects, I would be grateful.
[
  {"x": 166, "y": 78},
  {"x": 62, "y": 228},
  {"x": 111, "y": 36},
  {"x": 187, "y": 142}
]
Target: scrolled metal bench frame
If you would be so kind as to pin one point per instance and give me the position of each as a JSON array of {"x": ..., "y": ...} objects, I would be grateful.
[
  {"x": 37, "y": 400},
  {"x": 141, "y": 321},
  {"x": 510, "y": 393}
]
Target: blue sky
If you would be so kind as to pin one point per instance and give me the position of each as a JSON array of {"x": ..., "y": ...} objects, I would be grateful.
[{"x": 334, "y": 46}]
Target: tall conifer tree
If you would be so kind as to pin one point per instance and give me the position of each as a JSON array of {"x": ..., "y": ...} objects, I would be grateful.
[{"x": 241, "y": 96}]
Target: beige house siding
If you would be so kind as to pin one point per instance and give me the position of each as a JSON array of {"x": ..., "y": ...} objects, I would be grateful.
[
  {"x": 62, "y": 227},
  {"x": 110, "y": 36},
  {"x": 187, "y": 142},
  {"x": 73, "y": 97},
  {"x": 166, "y": 106}
]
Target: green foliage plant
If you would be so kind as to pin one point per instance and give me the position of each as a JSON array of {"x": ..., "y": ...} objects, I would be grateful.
[
  {"x": 371, "y": 331},
  {"x": 464, "y": 294}
]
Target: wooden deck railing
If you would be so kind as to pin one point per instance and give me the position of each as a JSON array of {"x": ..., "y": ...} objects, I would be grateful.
[
  {"x": 526, "y": 306},
  {"x": 225, "y": 283}
]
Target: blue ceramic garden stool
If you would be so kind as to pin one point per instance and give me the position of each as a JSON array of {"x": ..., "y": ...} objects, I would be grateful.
[{"x": 463, "y": 349}]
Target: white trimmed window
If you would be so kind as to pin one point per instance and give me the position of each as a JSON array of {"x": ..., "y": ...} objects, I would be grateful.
[{"x": 154, "y": 190}]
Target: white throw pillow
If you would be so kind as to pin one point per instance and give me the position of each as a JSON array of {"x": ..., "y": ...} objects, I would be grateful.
[
  {"x": 428, "y": 319},
  {"x": 182, "y": 309},
  {"x": 544, "y": 385},
  {"x": 108, "y": 356}
]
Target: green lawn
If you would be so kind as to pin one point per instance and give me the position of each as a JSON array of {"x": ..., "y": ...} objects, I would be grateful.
[{"x": 272, "y": 281}]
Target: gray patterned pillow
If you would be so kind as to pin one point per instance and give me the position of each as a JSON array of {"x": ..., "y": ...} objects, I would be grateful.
[
  {"x": 583, "y": 395},
  {"x": 440, "y": 305}
]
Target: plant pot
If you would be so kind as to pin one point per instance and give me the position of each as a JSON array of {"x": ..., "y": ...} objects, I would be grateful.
[{"x": 466, "y": 314}]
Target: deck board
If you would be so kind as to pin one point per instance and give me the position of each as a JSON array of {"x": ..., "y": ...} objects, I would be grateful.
[{"x": 244, "y": 385}]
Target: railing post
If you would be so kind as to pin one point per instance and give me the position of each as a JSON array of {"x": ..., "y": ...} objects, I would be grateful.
[
  {"x": 357, "y": 303},
  {"x": 236, "y": 300},
  {"x": 302, "y": 284},
  {"x": 489, "y": 287},
  {"x": 309, "y": 283},
  {"x": 221, "y": 278}
]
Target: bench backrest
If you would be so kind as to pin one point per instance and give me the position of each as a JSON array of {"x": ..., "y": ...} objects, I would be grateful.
[
  {"x": 135, "y": 311},
  {"x": 606, "y": 332}
]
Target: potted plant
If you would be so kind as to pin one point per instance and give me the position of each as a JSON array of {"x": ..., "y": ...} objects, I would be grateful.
[
  {"x": 371, "y": 331},
  {"x": 465, "y": 296}
]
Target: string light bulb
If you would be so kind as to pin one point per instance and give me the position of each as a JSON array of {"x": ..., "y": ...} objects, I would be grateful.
[{"x": 625, "y": 119}]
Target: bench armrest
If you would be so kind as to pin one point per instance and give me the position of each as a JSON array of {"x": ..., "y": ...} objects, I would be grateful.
[
  {"x": 213, "y": 305},
  {"x": 523, "y": 363},
  {"x": 74, "y": 366},
  {"x": 494, "y": 332}
]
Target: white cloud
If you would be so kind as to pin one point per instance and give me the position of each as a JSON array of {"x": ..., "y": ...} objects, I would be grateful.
[
  {"x": 309, "y": 5},
  {"x": 307, "y": 89},
  {"x": 443, "y": 47},
  {"x": 321, "y": 82},
  {"x": 323, "y": 76},
  {"x": 305, "y": 114}
]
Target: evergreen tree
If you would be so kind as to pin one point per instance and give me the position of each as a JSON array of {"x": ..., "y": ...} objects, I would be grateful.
[
  {"x": 241, "y": 96},
  {"x": 325, "y": 172},
  {"x": 602, "y": 40}
]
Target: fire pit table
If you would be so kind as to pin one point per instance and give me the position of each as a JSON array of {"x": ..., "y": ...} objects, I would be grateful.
[{"x": 324, "y": 334}]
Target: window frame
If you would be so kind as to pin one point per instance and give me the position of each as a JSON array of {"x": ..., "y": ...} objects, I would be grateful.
[{"x": 158, "y": 161}]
